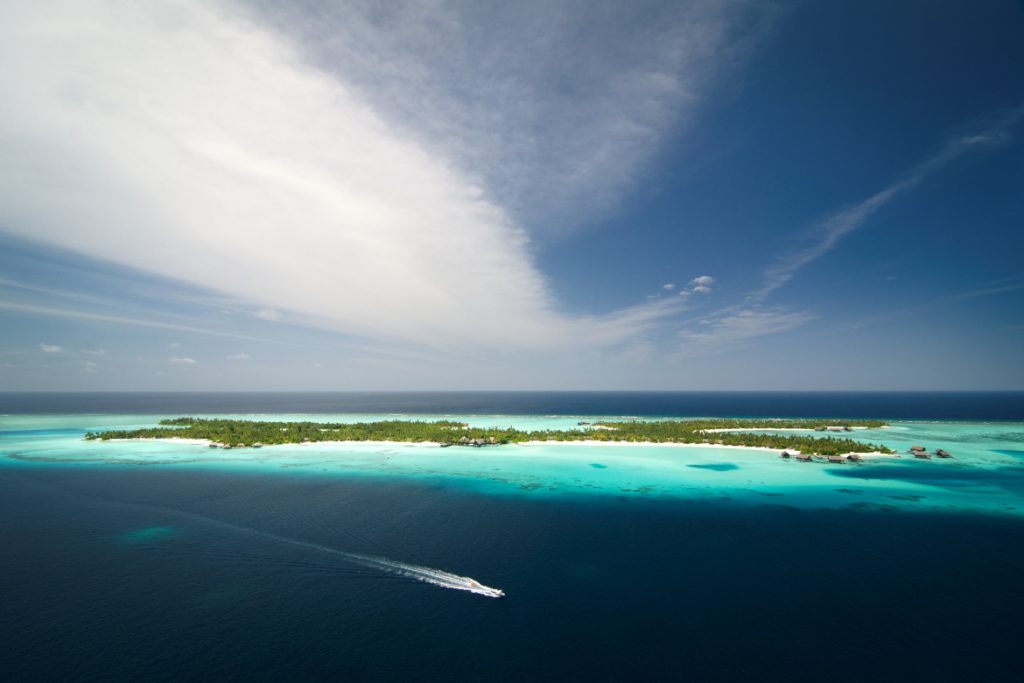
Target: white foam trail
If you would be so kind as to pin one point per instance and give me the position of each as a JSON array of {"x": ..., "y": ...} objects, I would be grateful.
[
  {"x": 429, "y": 575},
  {"x": 436, "y": 577}
]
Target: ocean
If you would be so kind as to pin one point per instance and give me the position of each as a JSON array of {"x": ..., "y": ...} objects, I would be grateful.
[{"x": 164, "y": 561}]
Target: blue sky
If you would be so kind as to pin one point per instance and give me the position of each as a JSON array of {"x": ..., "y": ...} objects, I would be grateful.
[{"x": 436, "y": 195}]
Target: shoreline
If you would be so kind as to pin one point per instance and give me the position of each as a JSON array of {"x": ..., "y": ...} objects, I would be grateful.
[
  {"x": 436, "y": 444},
  {"x": 691, "y": 445},
  {"x": 784, "y": 429}
]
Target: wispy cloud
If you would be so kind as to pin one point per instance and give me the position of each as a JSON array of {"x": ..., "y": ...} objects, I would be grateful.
[
  {"x": 721, "y": 332},
  {"x": 182, "y": 360},
  {"x": 736, "y": 324},
  {"x": 832, "y": 229},
  {"x": 1000, "y": 287},
  {"x": 121, "y": 320},
  {"x": 554, "y": 106},
  {"x": 239, "y": 356},
  {"x": 268, "y": 314},
  {"x": 50, "y": 348},
  {"x": 981, "y": 290},
  {"x": 90, "y": 367},
  {"x": 350, "y": 198}
]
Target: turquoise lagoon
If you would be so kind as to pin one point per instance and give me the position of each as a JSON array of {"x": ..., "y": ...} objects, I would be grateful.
[{"x": 986, "y": 474}]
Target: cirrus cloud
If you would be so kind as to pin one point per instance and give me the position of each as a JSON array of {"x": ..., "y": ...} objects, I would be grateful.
[{"x": 727, "y": 329}]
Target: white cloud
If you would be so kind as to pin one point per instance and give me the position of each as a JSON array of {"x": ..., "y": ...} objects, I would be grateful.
[
  {"x": 268, "y": 314},
  {"x": 668, "y": 286},
  {"x": 174, "y": 345},
  {"x": 50, "y": 348},
  {"x": 181, "y": 360},
  {"x": 92, "y": 351},
  {"x": 239, "y": 356},
  {"x": 183, "y": 130},
  {"x": 90, "y": 367},
  {"x": 698, "y": 285}
]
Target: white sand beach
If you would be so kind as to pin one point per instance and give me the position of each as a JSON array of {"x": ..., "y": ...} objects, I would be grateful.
[{"x": 524, "y": 444}]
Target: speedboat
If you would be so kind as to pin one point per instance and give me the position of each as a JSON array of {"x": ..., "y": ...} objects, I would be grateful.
[{"x": 480, "y": 589}]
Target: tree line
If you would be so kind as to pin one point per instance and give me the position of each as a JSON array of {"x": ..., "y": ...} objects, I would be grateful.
[{"x": 247, "y": 433}]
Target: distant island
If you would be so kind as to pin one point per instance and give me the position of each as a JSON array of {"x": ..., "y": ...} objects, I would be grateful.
[{"x": 759, "y": 433}]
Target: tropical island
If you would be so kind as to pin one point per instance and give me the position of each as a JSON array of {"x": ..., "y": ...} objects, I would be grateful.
[{"x": 751, "y": 433}]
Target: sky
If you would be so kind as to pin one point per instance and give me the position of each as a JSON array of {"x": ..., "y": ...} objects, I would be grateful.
[{"x": 690, "y": 195}]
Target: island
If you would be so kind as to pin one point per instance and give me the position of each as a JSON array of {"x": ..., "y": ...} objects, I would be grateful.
[{"x": 751, "y": 433}]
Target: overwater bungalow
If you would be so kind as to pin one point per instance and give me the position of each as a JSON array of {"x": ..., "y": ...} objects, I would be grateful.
[
  {"x": 917, "y": 448},
  {"x": 835, "y": 459},
  {"x": 943, "y": 453},
  {"x": 923, "y": 455},
  {"x": 803, "y": 457},
  {"x": 257, "y": 445},
  {"x": 853, "y": 457},
  {"x": 785, "y": 454}
]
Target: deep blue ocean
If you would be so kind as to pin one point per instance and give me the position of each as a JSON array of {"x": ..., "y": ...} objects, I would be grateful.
[
  {"x": 116, "y": 573},
  {"x": 888, "y": 405}
]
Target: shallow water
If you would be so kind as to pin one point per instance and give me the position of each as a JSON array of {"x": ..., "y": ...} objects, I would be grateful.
[{"x": 985, "y": 474}]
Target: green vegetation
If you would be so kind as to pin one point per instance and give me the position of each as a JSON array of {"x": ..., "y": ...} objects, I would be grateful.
[{"x": 244, "y": 433}]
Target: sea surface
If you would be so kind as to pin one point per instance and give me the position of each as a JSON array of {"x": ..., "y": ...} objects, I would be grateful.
[{"x": 172, "y": 561}]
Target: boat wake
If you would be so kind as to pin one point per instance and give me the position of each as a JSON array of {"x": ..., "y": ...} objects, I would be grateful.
[{"x": 435, "y": 577}]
